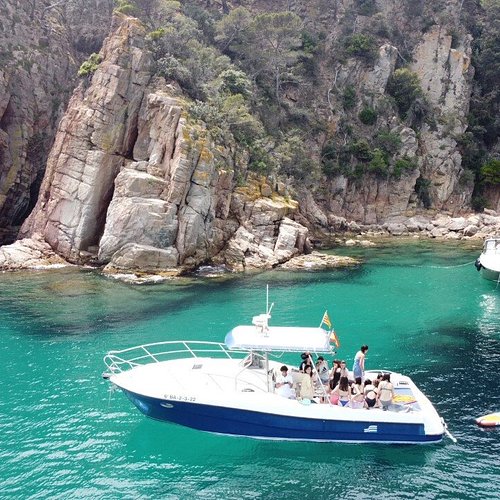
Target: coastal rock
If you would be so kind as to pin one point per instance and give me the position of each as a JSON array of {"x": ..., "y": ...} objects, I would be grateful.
[
  {"x": 470, "y": 230},
  {"x": 317, "y": 260},
  {"x": 268, "y": 239},
  {"x": 396, "y": 229},
  {"x": 29, "y": 253},
  {"x": 457, "y": 224},
  {"x": 132, "y": 256}
]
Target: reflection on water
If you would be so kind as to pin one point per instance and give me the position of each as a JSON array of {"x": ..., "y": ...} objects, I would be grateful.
[{"x": 488, "y": 321}]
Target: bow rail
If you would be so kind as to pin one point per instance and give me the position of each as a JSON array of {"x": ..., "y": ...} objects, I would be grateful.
[{"x": 126, "y": 359}]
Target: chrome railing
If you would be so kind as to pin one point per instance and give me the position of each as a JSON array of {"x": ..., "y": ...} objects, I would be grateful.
[{"x": 125, "y": 359}]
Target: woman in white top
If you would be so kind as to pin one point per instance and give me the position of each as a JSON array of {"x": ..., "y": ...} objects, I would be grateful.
[{"x": 307, "y": 384}]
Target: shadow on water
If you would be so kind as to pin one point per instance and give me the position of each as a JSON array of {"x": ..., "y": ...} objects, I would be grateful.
[
  {"x": 81, "y": 302},
  {"x": 174, "y": 444}
]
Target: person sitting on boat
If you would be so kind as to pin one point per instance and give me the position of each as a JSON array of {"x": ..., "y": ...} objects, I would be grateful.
[
  {"x": 344, "y": 372},
  {"x": 307, "y": 383},
  {"x": 284, "y": 384},
  {"x": 344, "y": 391},
  {"x": 385, "y": 391},
  {"x": 322, "y": 370},
  {"x": 370, "y": 393},
  {"x": 358, "y": 396},
  {"x": 358, "y": 368}
]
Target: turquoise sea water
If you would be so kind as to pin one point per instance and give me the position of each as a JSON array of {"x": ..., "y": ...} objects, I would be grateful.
[{"x": 64, "y": 435}]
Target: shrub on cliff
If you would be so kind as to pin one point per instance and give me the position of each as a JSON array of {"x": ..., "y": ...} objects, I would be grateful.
[
  {"x": 126, "y": 7},
  {"x": 361, "y": 150},
  {"x": 490, "y": 172},
  {"x": 390, "y": 142},
  {"x": 378, "y": 164},
  {"x": 267, "y": 45},
  {"x": 90, "y": 65},
  {"x": 403, "y": 166},
  {"x": 368, "y": 116},
  {"x": 404, "y": 86},
  {"x": 349, "y": 97},
  {"x": 362, "y": 47}
]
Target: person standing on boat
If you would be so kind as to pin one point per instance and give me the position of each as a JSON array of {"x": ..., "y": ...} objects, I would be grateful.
[
  {"x": 284, "y": 384},
  {"x": 307, "y": 383},
  {"x": 358, "y": 368}
]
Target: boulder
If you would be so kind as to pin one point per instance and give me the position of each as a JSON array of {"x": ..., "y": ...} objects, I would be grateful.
[{"x": 142, "y": 257}]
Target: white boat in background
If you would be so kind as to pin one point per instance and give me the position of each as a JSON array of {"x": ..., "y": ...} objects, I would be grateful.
[
  {"x": 230, "y": 389},
  {"x": 488, "y": 263}
]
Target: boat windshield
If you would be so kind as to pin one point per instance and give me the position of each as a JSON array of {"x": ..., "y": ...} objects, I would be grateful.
[{"x": 492, "y": 246}]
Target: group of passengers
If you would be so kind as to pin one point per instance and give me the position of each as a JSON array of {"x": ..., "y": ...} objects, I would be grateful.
[{"x": 335, "y": 386}]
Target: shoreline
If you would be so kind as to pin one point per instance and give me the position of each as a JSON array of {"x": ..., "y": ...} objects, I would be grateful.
[{"x": 35, "y": 254}]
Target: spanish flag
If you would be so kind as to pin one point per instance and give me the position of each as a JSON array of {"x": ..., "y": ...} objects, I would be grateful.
[
  {"x": 334, "y": 339},
  {"x": 326, "y": 320}
]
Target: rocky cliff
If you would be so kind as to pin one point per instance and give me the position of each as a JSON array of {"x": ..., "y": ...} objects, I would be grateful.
[
  {"x": 132, "y": 181},
  {"x": 142, "y": 176},
  {"x": 42, "y": 44}
]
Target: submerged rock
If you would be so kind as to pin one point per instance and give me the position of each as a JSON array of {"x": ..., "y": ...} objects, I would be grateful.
[{"x": 317, "y": 260}]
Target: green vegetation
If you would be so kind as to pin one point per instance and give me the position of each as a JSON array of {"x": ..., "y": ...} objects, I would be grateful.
[
  {"x": 366, "y": 7},
  {"x": 404, "y": 86},
  {"x": 269, "y": 45},
  {"x": 255, "y": 77},
  {"x": 378, "y": 164},
  {"x": 361, "y": 150},
  {"x": 490, "y": 172},
  {"x": 389, "y": 142},
  {"x": 349, "y": 97},
  {"x": 368, "y": 116},
  {"x": 125, "y": 7},
  {"x": 403, "y": 166},
  {"x": 90, "y": 65},
  {"x": 361, "y": 46}
]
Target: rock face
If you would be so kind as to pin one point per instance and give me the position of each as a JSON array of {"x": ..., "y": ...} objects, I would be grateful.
[
  {"x": 445, "y": 75},
  {"x": 94, "y": 138},
  {"x": 446, "y": 78},
  {"x": 134, "y": 183},
  {"x": 42, "y": 44}
]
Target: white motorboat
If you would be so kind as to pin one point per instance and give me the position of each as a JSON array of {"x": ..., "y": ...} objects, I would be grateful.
[
  {"x": 488, "y": 263},
  {"x": 230, "y": 389}
]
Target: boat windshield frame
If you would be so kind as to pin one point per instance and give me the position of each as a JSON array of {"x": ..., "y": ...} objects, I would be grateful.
[
  {"x": 157, "y": 352},
  {"x": 491, "y": 246}
]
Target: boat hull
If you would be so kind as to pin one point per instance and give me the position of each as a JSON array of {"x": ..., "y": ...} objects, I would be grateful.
[
  {"x": 260, "y": 425},
  {"x": 489, "y": 274}
]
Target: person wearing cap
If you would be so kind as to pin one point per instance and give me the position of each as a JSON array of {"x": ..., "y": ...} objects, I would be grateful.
[{"x": 284, "y": 384}]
